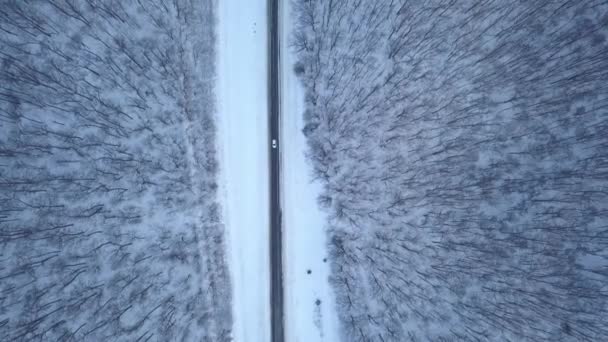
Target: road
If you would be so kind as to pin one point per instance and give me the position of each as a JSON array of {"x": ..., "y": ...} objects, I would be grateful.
[{"x": 276, "y": 248}]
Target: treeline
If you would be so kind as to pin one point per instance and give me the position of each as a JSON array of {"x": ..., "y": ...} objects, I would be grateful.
[
  {"x": 463, "y": 148},
  {"x": 109, "y": 225}
]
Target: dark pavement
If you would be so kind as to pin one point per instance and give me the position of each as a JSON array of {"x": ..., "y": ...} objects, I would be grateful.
[{"x": 276, "y": 248}]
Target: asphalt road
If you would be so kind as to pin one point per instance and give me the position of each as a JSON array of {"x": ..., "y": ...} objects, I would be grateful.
[{"x": 276, "y": 248}]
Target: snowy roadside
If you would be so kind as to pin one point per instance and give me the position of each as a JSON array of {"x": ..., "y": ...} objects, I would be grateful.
[
  {"x": 310, "y": 313},
  {"x": 242, "y": 144}
]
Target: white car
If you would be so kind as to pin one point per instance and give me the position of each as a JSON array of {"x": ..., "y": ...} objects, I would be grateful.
[{"x": 274, "y": 143}]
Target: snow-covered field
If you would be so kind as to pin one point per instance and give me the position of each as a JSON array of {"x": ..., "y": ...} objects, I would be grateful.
[
  {"x": 310, "y": 314},
  {"x": 243, "y": 135}
]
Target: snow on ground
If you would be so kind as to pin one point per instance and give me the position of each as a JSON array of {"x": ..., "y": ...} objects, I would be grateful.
[
  {"x": 310, "y": 314},
  {"x": 243, "y": 149}
]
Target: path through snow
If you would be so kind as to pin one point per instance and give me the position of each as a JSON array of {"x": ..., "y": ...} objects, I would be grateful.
[
  {"x": 243, "y": 149},
  {"x": 310, "y": 314}
]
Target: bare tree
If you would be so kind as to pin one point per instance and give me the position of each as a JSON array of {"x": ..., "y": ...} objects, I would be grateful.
[
  {"x": 109, "y": 226},
  {"x": 463, "y": 150}
]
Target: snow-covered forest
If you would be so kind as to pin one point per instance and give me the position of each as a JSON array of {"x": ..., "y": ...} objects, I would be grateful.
[
  {"x": 109, "y": 222},
  {"x": 463, "y": 148}
]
